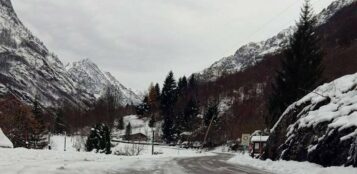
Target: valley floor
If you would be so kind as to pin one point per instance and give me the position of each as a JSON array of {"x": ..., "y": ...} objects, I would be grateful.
[
  {"x": 25, "y": 161},
  {"x": 171, "y": 161}
]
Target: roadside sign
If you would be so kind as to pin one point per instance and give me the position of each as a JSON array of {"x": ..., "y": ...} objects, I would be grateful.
[{"x": 245, "y": 139}]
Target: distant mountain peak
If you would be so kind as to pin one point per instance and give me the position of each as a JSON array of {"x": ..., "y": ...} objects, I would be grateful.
[
  {"x": 248, "y": 55},
  {"x": 90, "y": 77},
  {"x": 29, "y": 69}
]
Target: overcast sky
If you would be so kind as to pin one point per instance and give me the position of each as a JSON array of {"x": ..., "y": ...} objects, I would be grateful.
[{"x": 139, "y": 41}]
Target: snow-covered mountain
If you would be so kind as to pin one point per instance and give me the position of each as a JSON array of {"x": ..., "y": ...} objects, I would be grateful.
[
  {"x": 321, "y": 127},
  {"x": 89, "y": 77},
  {"x": 29, "y": 69},
  {"x": 248, "y": 55}
]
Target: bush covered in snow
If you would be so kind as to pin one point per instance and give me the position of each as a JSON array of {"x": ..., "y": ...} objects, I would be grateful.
[{"x": 99, "y": 139}]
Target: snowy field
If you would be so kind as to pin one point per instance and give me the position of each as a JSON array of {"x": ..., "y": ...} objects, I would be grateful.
[
  {"x": 289, "y": 167},
  {"x": 58, "y": 161},
  {"x": 27, "y": 161}
]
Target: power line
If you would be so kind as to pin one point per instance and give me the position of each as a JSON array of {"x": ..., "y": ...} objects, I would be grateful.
[
  {"x": 276, "y": 17},
  {"x": 271, "y": 20}
]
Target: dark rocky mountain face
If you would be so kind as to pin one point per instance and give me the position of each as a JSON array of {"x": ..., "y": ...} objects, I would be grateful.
[
  {"x": 250, "y": 88},
  {"x": 29, "y": 69}
]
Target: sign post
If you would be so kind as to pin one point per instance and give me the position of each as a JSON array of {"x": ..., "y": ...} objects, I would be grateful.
[{"x": 245, "y": 140}]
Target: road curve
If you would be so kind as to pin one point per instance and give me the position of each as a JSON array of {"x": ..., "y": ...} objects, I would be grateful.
[
  {"x": 214, "y": 165},
  {"x": 195, "y": 165}
]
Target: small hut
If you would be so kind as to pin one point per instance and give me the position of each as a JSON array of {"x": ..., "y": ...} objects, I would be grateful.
[{"x": 257, "y": 145}]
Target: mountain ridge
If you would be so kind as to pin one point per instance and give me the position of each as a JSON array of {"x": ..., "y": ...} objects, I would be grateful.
[
  {"x": 28, "y": 70},
  {"x": 249, "y": 54},
  {"x": 89, "y": 76}
]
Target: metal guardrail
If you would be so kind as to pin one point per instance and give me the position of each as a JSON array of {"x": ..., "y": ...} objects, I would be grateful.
[{"x": 141, "y": 143}]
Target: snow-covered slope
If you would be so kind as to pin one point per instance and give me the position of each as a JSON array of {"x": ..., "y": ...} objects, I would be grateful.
[
  {"x": 321, "y": 127},
  {"x": 4, "y": 141},
  {"x": 90, "y": 78},
  {"x": 248, "y": 55},
  {"x": 27, "y": 68}
]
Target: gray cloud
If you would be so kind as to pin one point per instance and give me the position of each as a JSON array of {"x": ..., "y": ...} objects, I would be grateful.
[{"x": 139, "y": 41}]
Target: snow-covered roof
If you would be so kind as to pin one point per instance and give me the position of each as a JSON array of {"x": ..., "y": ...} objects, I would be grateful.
[
  {"x": 259, "y": 138},
  {"x": 4, "y": 141}
]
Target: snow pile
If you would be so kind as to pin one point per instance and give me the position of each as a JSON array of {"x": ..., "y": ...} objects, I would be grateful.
[
  {"x": 289, "y": 167},
  {"x": 321, "y": 127},
  {"x": 4, "y": 141},
  {"x": 340, "y": 113}
]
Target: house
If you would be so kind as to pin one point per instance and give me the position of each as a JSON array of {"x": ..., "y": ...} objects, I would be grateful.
[
  {"x": 4, "y": 141},
  {"x": 257, "y": 145}
]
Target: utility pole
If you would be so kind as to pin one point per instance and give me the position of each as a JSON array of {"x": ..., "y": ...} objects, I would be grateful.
[
  {"x": 65, "y": 135},
  {"x": 209, "y": 127},
  {"x": 152, "y": 141}
]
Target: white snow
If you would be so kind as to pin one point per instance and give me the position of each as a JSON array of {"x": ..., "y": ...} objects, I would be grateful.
[
  {"x": 73, "y": 143},
  {"x": 289, "y": 167},
  {"x": 259, "y": 138},
  {"x": 4, "y": 141},
  {"x": 340, "y": 113},
  {"x": 27, "y": 161},
  {"x": 138, "y": 125}
]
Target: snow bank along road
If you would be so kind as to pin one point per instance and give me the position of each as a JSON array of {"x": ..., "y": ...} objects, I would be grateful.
[{"x": 199, "y": 165}]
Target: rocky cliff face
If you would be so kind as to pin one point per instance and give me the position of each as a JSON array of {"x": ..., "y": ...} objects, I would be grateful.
[
  {"x": 321, "y": 127},
  {"x": 90, "y": 78},
  {"x": 29, "y": 69},
  {"x": 250, "y": 54}
]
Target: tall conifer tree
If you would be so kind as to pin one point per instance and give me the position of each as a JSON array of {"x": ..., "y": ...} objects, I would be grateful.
[
  {"x": 168, "y": 100},
  {"x": 301, "y": 68}
]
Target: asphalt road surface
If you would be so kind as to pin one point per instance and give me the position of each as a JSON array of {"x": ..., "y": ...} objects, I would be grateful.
[{"x": 200, "y": 165}]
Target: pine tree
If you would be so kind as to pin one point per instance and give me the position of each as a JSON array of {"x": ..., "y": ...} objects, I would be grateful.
[
  {"x": 153, "y": 100},
  {"x": 128, "y": 131},
  {"x": 301, "y": 68},
  {"x": 110, "y": 101},
  {"x": 190, "y": 114},
  {"x": 120, "y": 125},
  {"x": 152, "y": 121},
  {"x": 192, "y": 83},
  {"x": 182, "y": 85},
  {"x": 168, "y": 100},
  {"x": 38, "y": 137},
  {"x": 99, "y": 139},
  {"x": 157, "y": 90},
  {"x": 59, "y": 125},
  {"x": 144, "y": 108}
]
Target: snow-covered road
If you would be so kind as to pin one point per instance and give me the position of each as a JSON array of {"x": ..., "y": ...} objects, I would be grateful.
[
  {"x": 172, "y": 161},
  {"x": 197, "y": 165}
]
